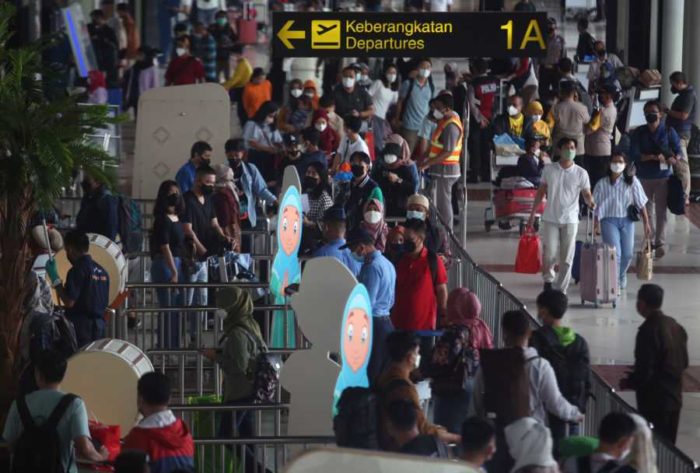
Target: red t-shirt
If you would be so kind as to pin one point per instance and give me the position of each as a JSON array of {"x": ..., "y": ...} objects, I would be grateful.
[
  {"x": 415, "y": 307},
  {"x": 184, "y": 70}
]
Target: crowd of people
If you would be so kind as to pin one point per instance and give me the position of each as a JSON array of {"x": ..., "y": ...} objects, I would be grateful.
[{"x": 379, "y": 152}]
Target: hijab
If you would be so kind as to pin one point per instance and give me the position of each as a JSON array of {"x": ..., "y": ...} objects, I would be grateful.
[
  {"x": 378, "y": 230},
  {"x": 643, "y": 455},
  {"x": 464, "y": 308},
  {"x": 239, "y": 311},
  {"x": 329, "y": 140},
  {"x": 405, "y": 157},
  {"x": 310, "y": 84}
]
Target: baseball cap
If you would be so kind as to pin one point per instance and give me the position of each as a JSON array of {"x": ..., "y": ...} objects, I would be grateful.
[
  {"x": 357, "y": 236},
  {"x": 334, "y": 214}
]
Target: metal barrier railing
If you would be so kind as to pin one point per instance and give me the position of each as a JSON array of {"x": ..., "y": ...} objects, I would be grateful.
[{"x": 496, "y": 300}]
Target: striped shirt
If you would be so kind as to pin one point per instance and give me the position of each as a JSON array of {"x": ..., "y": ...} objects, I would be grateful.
[{"x": 613, "y": 199}]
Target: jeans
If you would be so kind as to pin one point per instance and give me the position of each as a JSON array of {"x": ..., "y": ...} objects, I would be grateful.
[
  {"x": 441, "y": 192},
  {"x": 161, "y": 273},
  {"x": 87, "y": 329},
  {"x": 558, "y": 239},
  {"x": 243, "y": 428},
  {"x": 451, "y": 411},
  {"x": 657, "y": 192},
  {"x": 619, "y": 232},
  {"x": 201, "y": 274},
  {"x": 208, "y": 17}
]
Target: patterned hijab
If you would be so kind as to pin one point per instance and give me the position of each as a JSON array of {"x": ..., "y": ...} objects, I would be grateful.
[{"x": 464, "y": 308}]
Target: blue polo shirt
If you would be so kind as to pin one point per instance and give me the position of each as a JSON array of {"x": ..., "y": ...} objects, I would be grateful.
[
  {"x": 333, "y": 250},
  {"x": 87, "y": 284},
  {"x": 379, "y": 277},
  {"x": 416, "y": 105},
  {"x": 185, "y": 177},
  {"x": 661, "y": 141}
]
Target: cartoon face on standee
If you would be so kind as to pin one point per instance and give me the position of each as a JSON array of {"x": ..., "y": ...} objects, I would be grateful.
[
  {"x": 290, "y": 230},
  {"x": 356, "y": 338}
]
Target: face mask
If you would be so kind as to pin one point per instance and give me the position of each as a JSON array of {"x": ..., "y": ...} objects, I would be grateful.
[
  {"x": 310, "y": 182},
  {"x": 180, "y": 51},
  {"x": 205, "y": 162},
  {"x": 296, "y": 93},
  {"x": 207, "y": 190},
  {"x": 512, "y": 111},
  {"x": 424, "y": 73},
  {"x": 85, "y": 186},
  {"x": 415, "y": 214},
  {"x": 390, "y": 158},
  {"x": 438, "y": 115},
  {"x": 172, "y": 200},
  {"x": 601, "y": 54},
  {"x": 537, "y": 117},
  {"x": 356, "y": 257},
  {"x": 309, "y": 94},
  {"x": 568, "y": 155},
  {"x": 221, "y": 21},
  {"x": 617, "y": 168},
  {"x": 651, "y": 117},
  {"x": 409, "y": 246},
  {"x": 416, "y": 364},
  {"x": 234, "y": 163},
  {"x": 364, "y": 77},
  {"x": 391, "y": 78},
  {"x": 537, "y": 152},
  {"x": 357, "y": 170},
  {"x": 321, "y": 127},
  {"x": 674, "y": 90},
  {"x": 358, "y": 77},
  {"x": 397, "y": 247},
  {"x": 373, "y": 217},
  {"x": 348, "y": 82},
  {"x": 269, "y": 120}
]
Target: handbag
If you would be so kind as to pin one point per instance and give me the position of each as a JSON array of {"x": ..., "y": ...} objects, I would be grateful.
[
  {"x": 529, "y": 257},
  {"x": 633, "y": 213},
  {"x": 645, "y": 262}
]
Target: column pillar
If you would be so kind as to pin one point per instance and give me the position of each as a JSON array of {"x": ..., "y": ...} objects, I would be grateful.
[{"x": 671, "y": 43}]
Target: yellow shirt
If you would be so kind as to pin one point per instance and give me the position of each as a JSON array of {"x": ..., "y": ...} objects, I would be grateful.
[
  {"x": 516, "y": 125},
  {"x": 240, "y": 76}
]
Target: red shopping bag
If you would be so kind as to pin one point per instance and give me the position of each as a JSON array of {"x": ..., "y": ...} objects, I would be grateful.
[
  {"x": 529, "y": 257},
  {"x": 110, "y": 437}
]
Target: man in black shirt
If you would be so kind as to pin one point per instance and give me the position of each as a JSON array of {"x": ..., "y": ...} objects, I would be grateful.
[
  {"x": 203, "y": 229},
  {"x": 351, "y": 100},
  {"x": 585, "y": 47},
  {"x": 403, "y": 429},
  {"x": 85, "y": 294},
  {"x": 98, "y": 210}
]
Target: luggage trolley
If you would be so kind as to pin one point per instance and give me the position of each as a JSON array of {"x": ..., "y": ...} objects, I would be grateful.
[{"x": 508, "y": 205}]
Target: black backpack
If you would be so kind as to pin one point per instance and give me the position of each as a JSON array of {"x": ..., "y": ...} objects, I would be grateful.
[
  {"x": 265, "y": 372},
  {"x": 39, "y": 446},
  {"x": 51, "y": 332},
  {"x": 583, "y": 465},
  {"x": 411, "y": 85},
  {"x": 571, "y": 364},
  {"x": 676, "y": 197}
]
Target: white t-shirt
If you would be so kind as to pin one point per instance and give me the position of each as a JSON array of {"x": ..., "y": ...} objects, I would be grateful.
[
  {"x": 563, "y": 189},
  {"x": 439, "y": 5},
  {"x": 382, "y": 97},
  {"x": 206, "y": 4},
  {"x": 346, "y": 148}
]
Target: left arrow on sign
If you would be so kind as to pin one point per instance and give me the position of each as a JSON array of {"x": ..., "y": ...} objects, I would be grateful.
[{"x": 285, "y": 34}]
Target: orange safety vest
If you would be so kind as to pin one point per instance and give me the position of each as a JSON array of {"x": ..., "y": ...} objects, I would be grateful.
[{"x": 436, "y": 145}]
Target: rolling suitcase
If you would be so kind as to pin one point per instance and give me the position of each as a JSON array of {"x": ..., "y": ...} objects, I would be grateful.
[{"x": 598, "y": 266}]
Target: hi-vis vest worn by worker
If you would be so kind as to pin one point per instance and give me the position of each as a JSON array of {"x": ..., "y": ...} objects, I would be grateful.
[{"x": 436, "y": 144}]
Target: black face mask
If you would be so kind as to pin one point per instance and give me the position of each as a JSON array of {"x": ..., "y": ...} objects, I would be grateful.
[
  {"x": 409, "y": 246},
  {"x": 172, "y": 200},
  {"x": 234, "y": 163},
  {"x": 207, "y": 190},
  {"x": 205, "y": 162},
  {"x": 674, "y": 90},
  {"x": 85, "y": 186},
  {"x": 601, "y": 54},
  {"x": 358, "y": 170},
  {"x": 310, "y": 182},
  {"x": 398, "y": 247},
  {"x": 651, "y": 118}
]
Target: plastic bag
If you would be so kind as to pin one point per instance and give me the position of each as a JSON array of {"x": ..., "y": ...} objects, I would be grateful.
[{"x": 529, "y": 257}]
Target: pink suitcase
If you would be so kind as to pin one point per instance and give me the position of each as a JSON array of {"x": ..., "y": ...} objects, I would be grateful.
[{"x": 599, "y": 272}]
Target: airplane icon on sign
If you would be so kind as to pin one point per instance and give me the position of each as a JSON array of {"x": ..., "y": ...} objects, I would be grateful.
[
  {"x": 325, "y": 29},
  {"x": 325, "y": 34}
]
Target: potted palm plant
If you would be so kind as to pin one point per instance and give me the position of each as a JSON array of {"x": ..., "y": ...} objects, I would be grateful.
[{"x": 42, "y": 141}]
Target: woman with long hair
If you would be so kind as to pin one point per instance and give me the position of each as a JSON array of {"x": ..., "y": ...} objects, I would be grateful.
[
  {"x": 263, "y": 141},
  {"x": 315, "y": 186},
  {"x": 167, "y": 250},
  {"x": 642, "y": 456},
  {"x": 620, "y": 201},
  {"x": 296, "y": 92}
]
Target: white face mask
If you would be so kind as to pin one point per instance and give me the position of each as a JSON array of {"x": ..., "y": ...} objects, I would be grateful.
[
  {"x": 309, "y": 93},
  {"x": 373, "y": 217},
  {"x": 358, "y": 77},
  {"x": 537, "y": 117},
  {"x": 415, "y": 214},
  {"x": 348, "y": 82},
  {"x": 180, "y": 51},
  {"x": 296, "y": 93},
  {"x": 390, "y": 158},
  {"x": 270, "y": 120},
  {"x": 512, "y": 111},
  {"x": 438, "y": 115},
  {"x": 537, "y": 152},
  {"x": 321, "y": 127},
  {"x": 424, "y": 73},
  {"x": 391, "y": 78},
  {"x": 364, "y": 77},
  {"x": 617, "y": 168},
  {"x": 417, "y": 362}
]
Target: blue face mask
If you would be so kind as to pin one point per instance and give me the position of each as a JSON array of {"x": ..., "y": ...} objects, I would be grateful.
[
  {"x": 356, "y": 257},
  {"x": 415, "y": 214}
]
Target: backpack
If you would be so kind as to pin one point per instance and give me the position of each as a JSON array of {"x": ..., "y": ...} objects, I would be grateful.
[
  {"x": 676, "y": 196},
  {"x": 39, "y": 446},
  {"x": 570, "y": 364},
  {"x": 584, "y": 97},
  {"x": 264, "y": 371},
  {"x": 410, "y": 90},
  {"x": 130, "y": 228},
  {"x": 357, "y": 422},
  {"x": 583, "y": 465},
  {"x": 506, "y": 385},
  {"x": 51, "y": 331},
  {"x": 453, "y": 361}
]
